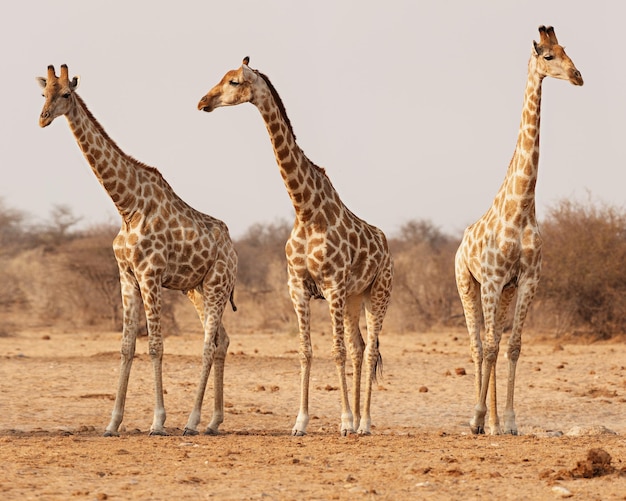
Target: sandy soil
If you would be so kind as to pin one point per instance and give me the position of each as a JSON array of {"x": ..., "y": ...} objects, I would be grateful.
[{"x": 56, "y": 395}]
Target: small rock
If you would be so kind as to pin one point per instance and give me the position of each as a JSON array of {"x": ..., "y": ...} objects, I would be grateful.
[{"x": 562, "y": 491}]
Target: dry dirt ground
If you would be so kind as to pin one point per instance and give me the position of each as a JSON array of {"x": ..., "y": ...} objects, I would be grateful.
[{"x": 56, "y": 395}]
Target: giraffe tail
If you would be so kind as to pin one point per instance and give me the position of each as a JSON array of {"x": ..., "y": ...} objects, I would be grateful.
[
  {"x": 378, "y": 369},
  {"x": 378, "y": 366},
  {"x": 232, "y": 300}
]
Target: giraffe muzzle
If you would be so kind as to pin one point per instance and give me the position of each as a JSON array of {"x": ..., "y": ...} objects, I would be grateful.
[
  {"x": 208, "y": 103},
  {"x": 44, "y": 119},
  {"x": 204, "y": 105}
]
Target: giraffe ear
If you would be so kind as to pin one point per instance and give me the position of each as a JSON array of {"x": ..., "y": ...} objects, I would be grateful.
[
  {"x": 248, "y": 74},
  {"x": 537, "y": 48},
  {"x": 41, "y": 81},
  {"x": 74, "y": 83}
]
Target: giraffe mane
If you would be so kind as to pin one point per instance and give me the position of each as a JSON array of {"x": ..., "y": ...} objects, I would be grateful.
[
  {"x": 279, "y": 102},
  {"x": 283, "y": 112},
  {"x": 108, "y": 138}
]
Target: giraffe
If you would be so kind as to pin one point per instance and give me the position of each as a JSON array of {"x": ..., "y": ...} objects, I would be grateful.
[
  {"x": 163, "y": 242},
  {"x": 331, "y": 254},
  {"x": 500, "y": 254}
]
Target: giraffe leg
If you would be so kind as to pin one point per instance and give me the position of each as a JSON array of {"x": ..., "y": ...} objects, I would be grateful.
[
  {"x": 152, "y": 304},
  {"x": 376, "y": 305},
  {"x": 490, "y": 293},
  {"x": 218, "y": 382},
  {"x": 208, "y": 357},
  {"x": 494, "y": 420},
  {"x": 214, "y": 351},
  {"x": 356, "y": 346},
  {"x": 131, "y": 301},
  {"x": 337, "y": 305},
  {"x": 525, "y": 295},
  {"x": 501, "y": 316},
  {"x": 303, "y": 311},
  {"x": 469, "y": 292}
]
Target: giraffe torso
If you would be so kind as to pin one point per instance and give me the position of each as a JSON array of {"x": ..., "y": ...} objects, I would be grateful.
[
  {"x": 335, "y": 250},
  {"x": 501, "y": 250},
  {"x": 161, "y": 236},
  {"x": 190, "y": 245}
]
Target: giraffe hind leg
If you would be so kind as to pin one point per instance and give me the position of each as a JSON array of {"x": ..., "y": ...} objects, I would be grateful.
[
  {"x": 469, "y": 292},
  {"x": 213, "y": 355},
  {"x": 376, "y": 304},
  {"x": 218, "y": 383},
  {"x": 356, "y": 346}
]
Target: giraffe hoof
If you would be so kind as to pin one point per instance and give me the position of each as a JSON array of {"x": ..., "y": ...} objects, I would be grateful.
[
  {"x": 188, "y": 432},
  {"x": 211, "y": 431},
  {"x": 158, "y": 433},
  {"x": 511, "y": 432},
  {"x": 477, "y": 430},
  {"x": 298, "y": 433},
  {"x": 365, "y": 433},
  {"x": 108, "y": 433},
  {"x": 346, "y": 432}
]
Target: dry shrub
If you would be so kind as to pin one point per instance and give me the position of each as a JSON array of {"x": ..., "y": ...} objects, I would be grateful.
[
  {"x": 583, "y": 282},
  {"x": 75, "y": 282},
  {"x": 424, "y": 290},
  {"x": 261, "y": 293},
  {"x": 70, "y": 279}
]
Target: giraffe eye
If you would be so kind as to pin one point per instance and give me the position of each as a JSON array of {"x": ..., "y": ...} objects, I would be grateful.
[
  {"x": 66, "y": 95},
  {"x": 234, "y": 83},
  {"x": 548, "y": 57}
]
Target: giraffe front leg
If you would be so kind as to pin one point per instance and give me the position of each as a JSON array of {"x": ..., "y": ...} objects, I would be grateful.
[
  {"x": 130, "y": 302},
  {"x": 477, "y": 423},
  {"x": 506, "y": 296},
  {"x": 526, "y": 292},
  {"x": 302, "y": 420},
  {"x": 337, "y": 305},
  {"x": 487, "y": 385},
  {"x": 510, "y": 427},
  {"x": 305, "y": 353},
  {"x": 494, "y": 420}
]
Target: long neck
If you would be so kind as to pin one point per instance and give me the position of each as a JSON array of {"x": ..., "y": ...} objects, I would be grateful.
[
  {"x": 521, "y": 178},
  {"x": 309, "y": 188},
  {"x": 117, "y": 172}
]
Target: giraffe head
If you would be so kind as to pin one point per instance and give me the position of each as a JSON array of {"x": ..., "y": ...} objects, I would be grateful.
[
  {"x": 58, "y": 93},
  {"x": 236, "y": 87},
  {"x": 551, "y": 60}
]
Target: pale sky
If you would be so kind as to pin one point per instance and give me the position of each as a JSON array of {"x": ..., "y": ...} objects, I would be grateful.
[{"x": 412, "y": 107}]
